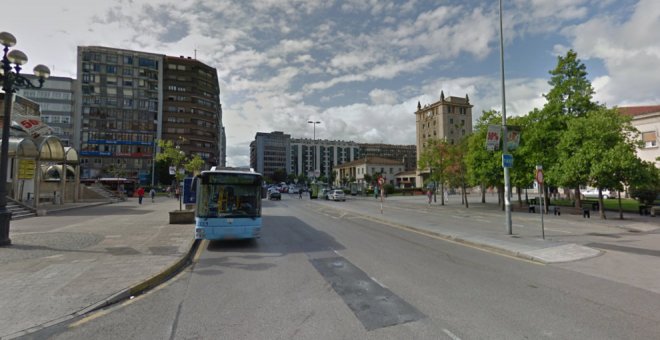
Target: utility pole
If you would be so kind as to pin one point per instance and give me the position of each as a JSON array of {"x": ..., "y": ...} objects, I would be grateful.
[{"x": 507, "y": 181}]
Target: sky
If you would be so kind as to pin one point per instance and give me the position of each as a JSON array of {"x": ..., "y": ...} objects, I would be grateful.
[{"x": 360, "y": 66}]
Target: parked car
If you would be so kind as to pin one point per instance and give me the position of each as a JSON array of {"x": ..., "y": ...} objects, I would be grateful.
[
  {"x": 593, "y": 193},
  {"x": 337, "y": 195},
  {"x": 274, "y": 194}
]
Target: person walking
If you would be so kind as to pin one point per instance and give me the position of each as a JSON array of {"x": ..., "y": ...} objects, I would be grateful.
[
  {"x": 429, "y": 193},
  {"x": 152, "y": 193},
  {"x": 140, "y": 193},
  {"x": 300, "y": 193}
]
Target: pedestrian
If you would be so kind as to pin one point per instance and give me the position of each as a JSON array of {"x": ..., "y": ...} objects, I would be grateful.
[
  {"x": 177, "y": 192},
  {"x": 169, "y": 192},
  {"x": 429, "y": 193},
  {"x": 446, "y": 195},
  {"x": 140, "y": 193},
  {"x": 152, "y": 193},
  {"x": 300, "y": 193}
]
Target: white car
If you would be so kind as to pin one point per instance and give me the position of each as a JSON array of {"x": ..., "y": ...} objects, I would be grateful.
[
  {"x": 337, "y": 195},
  {"x": 593, "y": 193}
]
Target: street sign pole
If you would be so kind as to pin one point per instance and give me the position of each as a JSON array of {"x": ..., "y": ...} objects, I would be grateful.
[{"x": 539, "y": 180}]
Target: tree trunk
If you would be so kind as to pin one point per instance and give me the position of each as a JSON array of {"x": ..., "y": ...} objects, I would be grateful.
[
  {"x": 483, "y": 194},
  {"x": 467, "y": 205},
  {"x": 520, "y": 202},
  {"x": 601, "y": 206},
  {"x": 578, "y": 203}
]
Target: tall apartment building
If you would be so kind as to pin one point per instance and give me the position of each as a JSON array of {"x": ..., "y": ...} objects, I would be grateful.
[
  {"x": 119, "y": 104},
  {"x": 269, "y": 152},
  {"x": 126, "y": 100},
  {"x": 192, "y": 115},
  {"x": 318, "y": 157},
  {"x": 56, "y": 100},
  {"x": 448, "y": 119},
  {"x": 407, "y": 154}
]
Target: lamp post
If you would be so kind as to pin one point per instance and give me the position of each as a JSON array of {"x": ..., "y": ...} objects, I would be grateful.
[
  {"x": 314, "y": 144},
  {"x": 507, "y": 177},
  {"x": 12, "y": 80}
]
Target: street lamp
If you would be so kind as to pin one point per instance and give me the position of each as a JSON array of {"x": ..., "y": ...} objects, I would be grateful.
[
  {"x": 314, "y": 144},
  {"x": 11, "y": 81}
]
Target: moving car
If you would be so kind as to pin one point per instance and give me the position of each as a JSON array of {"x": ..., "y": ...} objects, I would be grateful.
[
  {"x": 274, "y": 194},
  {"x": 337, "y": 195}
]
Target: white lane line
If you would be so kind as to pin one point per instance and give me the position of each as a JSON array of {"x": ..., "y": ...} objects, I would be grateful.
[
  {"x": 560, "y": 231},
  {"x": 378, "y": 282},
  {"x": 450, "y": 334}
]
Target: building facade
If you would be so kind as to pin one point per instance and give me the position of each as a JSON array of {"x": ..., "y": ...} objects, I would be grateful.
[
  {"x": 647, "y": 120},
  {"x": 405, "y": 153},
  {"x": 192, "y": 115},
  {"x": 127, "y": 100},
  {"x": 119, "y": 104},
  {"x": 270, "y": 152},
  {"x": 315, "y": 158},
  {"x": 372, "y": 166},
  {"x": 56, "y": 100},
  {"x": 448, "y": 119}
]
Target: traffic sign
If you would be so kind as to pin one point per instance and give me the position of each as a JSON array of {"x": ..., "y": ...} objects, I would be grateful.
[
  {"x": 507, "y": 160},
  {"x": 539, "y": 176}
]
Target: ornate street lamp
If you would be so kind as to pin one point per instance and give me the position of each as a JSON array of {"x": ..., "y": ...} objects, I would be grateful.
[{"x": 12, "y": 80}]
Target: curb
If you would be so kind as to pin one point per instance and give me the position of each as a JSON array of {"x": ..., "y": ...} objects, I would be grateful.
[
  {"x": 451, "y": 238},
  {"x": 122, "y": 295}
]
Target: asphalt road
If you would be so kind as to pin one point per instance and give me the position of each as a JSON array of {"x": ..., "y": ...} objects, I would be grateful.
[{"x": 320, "y": 273}]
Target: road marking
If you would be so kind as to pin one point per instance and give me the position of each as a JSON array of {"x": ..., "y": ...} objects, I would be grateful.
[
  {"x": 54, "y": 256},
  {"x": 378, "y": 282},
  {"x": 450, "y": 334}
]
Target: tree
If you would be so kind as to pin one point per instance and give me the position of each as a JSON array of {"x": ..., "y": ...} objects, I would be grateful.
[
  {"x": 485, "y": 167},
  {"x": 172, "y": 155},
  {"x": 592, "y": 150},
  {"x": 570, "y": 97},
  {"x": 435, "y": 157},
  {"x": 571, "y": 93},
  {"x": 279, "y": 175}
]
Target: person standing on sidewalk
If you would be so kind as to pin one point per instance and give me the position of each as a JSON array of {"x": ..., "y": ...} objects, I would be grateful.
[
  {"x": 140, "y": 193},
  {"x": 152, "y": 193}
]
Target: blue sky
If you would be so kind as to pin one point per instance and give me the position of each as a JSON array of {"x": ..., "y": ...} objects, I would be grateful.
[{"x": 360, "y": 66}]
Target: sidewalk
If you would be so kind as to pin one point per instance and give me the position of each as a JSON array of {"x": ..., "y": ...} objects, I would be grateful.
[
  {"x": 567, "y": 237},
  {"x": 81, "y": 256}
]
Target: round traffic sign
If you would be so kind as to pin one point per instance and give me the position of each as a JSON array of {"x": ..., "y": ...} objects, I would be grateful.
[{"x": 539, "y": 176}]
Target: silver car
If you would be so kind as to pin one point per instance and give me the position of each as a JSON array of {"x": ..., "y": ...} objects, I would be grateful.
[{"x": 337, "y": 195}]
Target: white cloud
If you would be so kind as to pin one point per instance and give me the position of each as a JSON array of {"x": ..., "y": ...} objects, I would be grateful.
[
  {"x": 630, "y": 51},
  {"x": 379, "y": 96}
]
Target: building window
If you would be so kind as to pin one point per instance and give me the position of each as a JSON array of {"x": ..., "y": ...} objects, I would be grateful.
[{"x": 650, "y": 139}]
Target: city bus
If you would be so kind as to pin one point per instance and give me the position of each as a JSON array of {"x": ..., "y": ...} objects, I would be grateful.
[{"x": 228, "y": 204}]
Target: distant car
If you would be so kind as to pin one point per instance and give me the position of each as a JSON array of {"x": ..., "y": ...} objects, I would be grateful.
[
  {"x": 337, "y": 195},
  {"x": 274, "y": 195},
  {"x": 593, "y": 193}
]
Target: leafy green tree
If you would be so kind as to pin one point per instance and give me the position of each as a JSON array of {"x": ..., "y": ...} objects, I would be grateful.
[
  {"x": 279, "y": 175},
  {"x": 485, "y": 167},
  {"x": 571, "y": 93},
  {"x": 456, "y": 170},
  {"x": 646, "y": 185},
  {"x": 597, "y": 149},
  {"x": 570, "y": 97},
  {"x": 172, "y": 155},
  {"x": 435, "y": 157}
]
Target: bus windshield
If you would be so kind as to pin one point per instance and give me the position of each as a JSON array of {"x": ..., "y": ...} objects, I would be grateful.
[{"x": 228, "y": 200}]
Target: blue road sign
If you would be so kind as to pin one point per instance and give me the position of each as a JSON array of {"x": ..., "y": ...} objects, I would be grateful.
[{"x": 507, "y": 160}]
